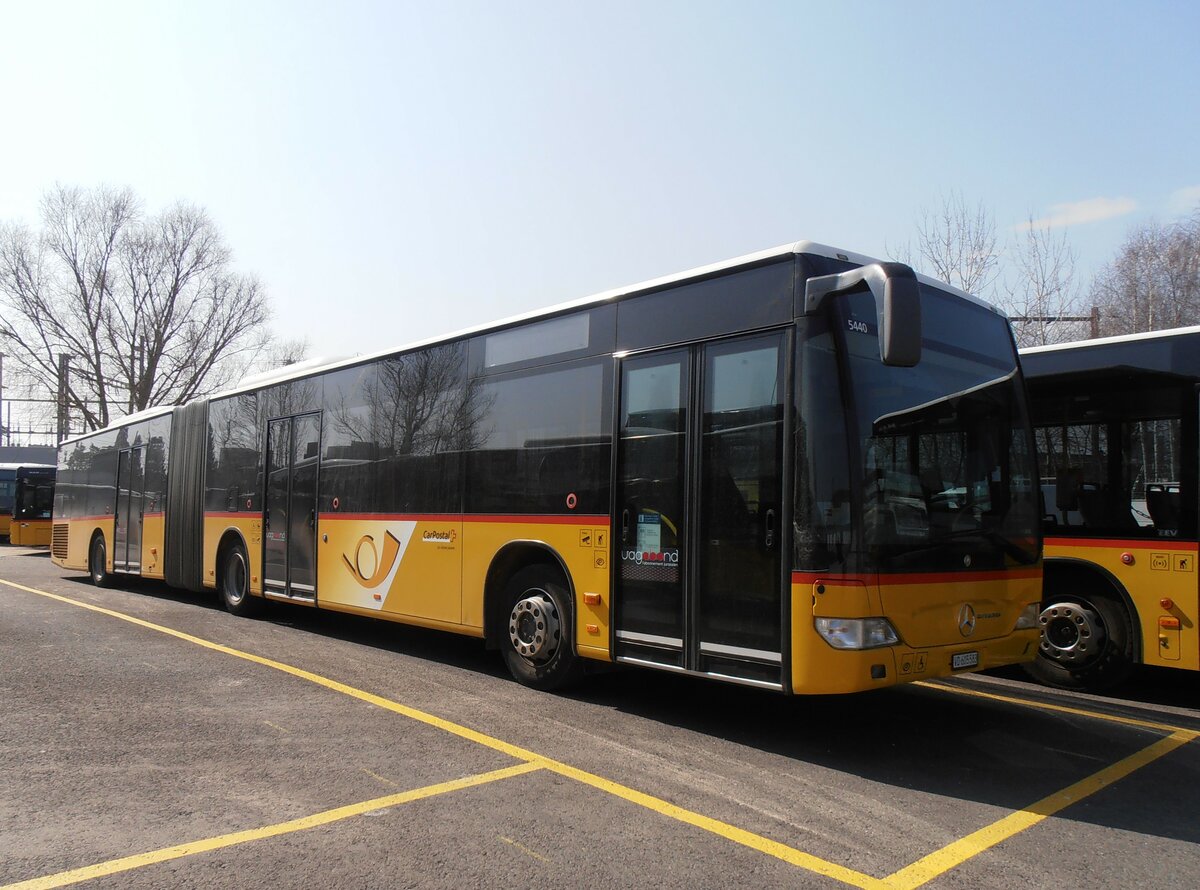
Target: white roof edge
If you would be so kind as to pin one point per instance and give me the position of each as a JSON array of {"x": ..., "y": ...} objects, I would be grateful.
[
  {"x": 290, "y": 372},
  {"x": 1120, "y": 338},
  {"x": 581, "y": 302},
  {"x": 313, "y": 366},
  {"x": 123, "y": 421}
]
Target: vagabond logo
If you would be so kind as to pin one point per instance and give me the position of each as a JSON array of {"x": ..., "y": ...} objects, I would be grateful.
[
  {"x": 435, "y": 536},
  {"x": 638, "y": 557}
]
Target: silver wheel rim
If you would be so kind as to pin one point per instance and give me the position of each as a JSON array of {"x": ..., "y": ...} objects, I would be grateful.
[
  {"x": 98, "y": 560},
  {"x": 533, "y": 627},
  {"x": 235, "y": 579},
  {"x": 1072, "y": 634}
]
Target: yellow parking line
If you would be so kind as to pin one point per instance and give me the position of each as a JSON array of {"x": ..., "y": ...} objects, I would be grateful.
[
  {"x": 914, "y": 875},
  {"x": 380, "y": 702},
  {"x": 955, "y": 854},
  {"x": 140, "y": 860},
  {"x": 722, "y": 829},
  {"x": 1046, "y": 706}
]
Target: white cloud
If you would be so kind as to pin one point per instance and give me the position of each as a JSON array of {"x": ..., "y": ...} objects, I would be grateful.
[
  {"x": 1080, "y": 212},
  {"x": 1185, "y": 200}
]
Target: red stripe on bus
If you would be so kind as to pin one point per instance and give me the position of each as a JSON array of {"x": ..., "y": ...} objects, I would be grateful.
[
  {"x": 918, "y": 577},
  {"x": 103, "y": 518},
  {"x": 544, "y": 519},
  {"x": 394, "y": 517},
  {"x": 1125, "y": 543}
]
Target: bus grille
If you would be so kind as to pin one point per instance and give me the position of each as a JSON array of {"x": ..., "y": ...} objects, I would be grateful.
[{"x": 59, "y": 536}]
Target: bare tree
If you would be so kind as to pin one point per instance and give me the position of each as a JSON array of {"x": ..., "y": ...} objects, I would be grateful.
[
  {"x": 1154, "y": 281},
  {"x": 281, "y": 353},
  {"x": 149, "y": 310},
  {"x": 1041, "y": 291},
  {"x": 957, "y": 244}
]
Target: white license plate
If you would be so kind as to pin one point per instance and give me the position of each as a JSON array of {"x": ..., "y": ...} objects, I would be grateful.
[{"x": 964, "y": 660}]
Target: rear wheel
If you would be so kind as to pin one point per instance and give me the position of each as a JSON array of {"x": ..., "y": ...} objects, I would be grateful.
[
  {"x": 1087, "y": 641},
  {"x": 98, "y": 562},
  {"x": 536, "y": 636},
  {"x": 235, "y": 583}
]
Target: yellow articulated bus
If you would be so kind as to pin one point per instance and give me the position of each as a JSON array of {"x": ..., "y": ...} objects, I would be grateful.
[
  {"x": 803, "y": 470},
  {"x": 26, "y": 498},
  {"x": 1116, "y": 428}
]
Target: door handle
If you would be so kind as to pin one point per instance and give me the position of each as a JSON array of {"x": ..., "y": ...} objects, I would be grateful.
[
  {"x": 769, "y": 537},
  {"x": 312, "y": 518},
  {"x": 625, "y": 526}
]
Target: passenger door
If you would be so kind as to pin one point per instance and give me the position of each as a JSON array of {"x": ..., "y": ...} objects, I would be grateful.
[
  {"x": 127, "y": 528},
  {"x": 290, "y": 507},
  {"x": 699, "y": 520}
]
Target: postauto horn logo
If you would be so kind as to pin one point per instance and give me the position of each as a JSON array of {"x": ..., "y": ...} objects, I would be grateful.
[{"x": 368, "y": 559}]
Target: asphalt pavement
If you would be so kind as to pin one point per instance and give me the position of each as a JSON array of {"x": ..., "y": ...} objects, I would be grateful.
[{"x": 150, "y": 739}]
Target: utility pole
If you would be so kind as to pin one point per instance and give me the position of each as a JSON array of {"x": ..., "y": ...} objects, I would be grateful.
[
  {"x": 64, "y": 369},
  {"x": 5, "y": 434}
]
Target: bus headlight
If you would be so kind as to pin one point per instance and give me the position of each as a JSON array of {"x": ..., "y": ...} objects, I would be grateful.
[
  {"x": 1029, "y": 617},
  {"x": 857, "y": 633}
]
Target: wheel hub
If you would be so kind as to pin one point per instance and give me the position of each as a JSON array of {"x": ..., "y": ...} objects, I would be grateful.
[
  {"x": 533, "y": 627},
  {"x": 1071, "y": 633}
]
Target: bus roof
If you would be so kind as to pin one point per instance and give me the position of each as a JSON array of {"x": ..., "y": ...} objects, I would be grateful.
[
  {"x": 311, "y": 367},
  {"x": 308, "y": 368},
  {"x": 1175, "y": 351}
]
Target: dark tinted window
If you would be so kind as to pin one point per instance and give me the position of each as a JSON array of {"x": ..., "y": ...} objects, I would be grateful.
[
  {"x": 102, "y": 474},
  {"x": 232, "y": 483},
  {"x": 543, "y": 436},
  {"x": 741, "y": 301},
  {"x": 394, "y": 432},
  {"x": 823, "y": 518},
  {"x": 1112, "y": 455}
]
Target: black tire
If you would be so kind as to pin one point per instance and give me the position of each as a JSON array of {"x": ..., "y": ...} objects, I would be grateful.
[
  {"x": 98, "y": 562},
  {"x": 536, "y": 636},
  {"x": 1087, "y": 641},
  {"x": 235, "y": 583}
]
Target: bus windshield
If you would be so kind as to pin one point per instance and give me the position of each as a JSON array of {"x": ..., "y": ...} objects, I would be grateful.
[
  {"x": 943, "y": 453},
  {"x": 34, "y": 496}
]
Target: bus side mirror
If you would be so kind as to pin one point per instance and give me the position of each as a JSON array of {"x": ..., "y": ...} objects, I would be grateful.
[{"x": 897, "y": 296}]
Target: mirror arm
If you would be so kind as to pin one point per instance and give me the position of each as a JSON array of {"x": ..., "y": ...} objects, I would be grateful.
[{"x": 897, "y": 302}]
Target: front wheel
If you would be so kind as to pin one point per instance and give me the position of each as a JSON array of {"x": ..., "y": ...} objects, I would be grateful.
[
  {"x": 235, "y": 583},
  {"x": 98, "y": 562},
  {"x": 1087, "y": 641},
  {"x": 537, "y": 631}
]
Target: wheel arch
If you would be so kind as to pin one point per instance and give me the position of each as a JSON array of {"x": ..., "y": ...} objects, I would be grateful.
[
  {"x": 230, "y": 538},
  {"x": 508, "y": 560},
  {"x": 101, "y": 532},
  {"x": 1059, "y": 572}
]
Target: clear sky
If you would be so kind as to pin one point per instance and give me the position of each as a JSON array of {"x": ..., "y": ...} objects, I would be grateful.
[{"x": 398, "y": 170}]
